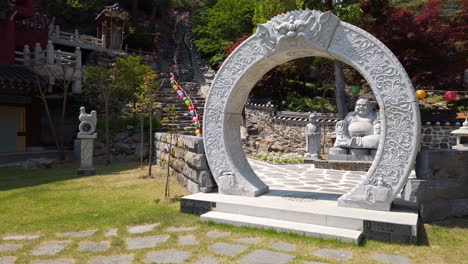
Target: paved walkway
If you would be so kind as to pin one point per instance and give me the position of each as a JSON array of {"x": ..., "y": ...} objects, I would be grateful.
[
  {"x": 305, "y": 177},
  {"x": 152, "y": 244}
]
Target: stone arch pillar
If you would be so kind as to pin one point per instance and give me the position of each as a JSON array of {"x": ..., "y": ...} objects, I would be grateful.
[{"x": 304, "y": 33}]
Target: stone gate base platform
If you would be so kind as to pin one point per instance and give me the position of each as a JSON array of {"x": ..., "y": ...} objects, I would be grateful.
[{"x": 305, "y": 213}]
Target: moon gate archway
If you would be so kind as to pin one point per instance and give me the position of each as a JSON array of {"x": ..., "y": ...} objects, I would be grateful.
[{"x": 304, "y": 33}]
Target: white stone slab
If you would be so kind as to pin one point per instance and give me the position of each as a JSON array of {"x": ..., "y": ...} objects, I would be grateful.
[
  {"x": 326, "y": 232},
  {"x": 309, "y": 208}
]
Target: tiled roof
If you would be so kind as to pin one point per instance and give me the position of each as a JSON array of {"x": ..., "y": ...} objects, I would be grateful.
[{"x": 10, "y": 73}]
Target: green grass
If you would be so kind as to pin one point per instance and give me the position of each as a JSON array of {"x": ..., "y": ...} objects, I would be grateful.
[{"x": 55, "y": 200}]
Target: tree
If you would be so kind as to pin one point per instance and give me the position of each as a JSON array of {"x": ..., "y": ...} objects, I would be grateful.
[
  {"x": 430, "y": 45},
  {"x": 219, "y": 25},
  {"x": 169, "y": 119},
  {"x": 102, "y": 82}
]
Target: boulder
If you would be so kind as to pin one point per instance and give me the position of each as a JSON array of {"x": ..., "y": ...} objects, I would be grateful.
[{"x": 40, "y": 163}]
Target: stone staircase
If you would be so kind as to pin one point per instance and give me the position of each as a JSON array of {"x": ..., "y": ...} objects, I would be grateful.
[{"x": 183, "y": 124}]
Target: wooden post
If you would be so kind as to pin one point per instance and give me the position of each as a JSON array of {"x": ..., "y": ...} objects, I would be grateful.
[
  {"x": 77, "y": 36},
  {"x": 37, "y": 53},
  {"x": 50, "y": 52},
  {"x": 26, "y": 56}
]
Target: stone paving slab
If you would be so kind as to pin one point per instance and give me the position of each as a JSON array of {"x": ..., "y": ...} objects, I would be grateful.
[
  {"x": 8, "y": 248},
  {"x": 84, "y": 233},
  {"x": 262, "y": 256},
  {"x": 227, "y": 248},
  {"x": 51, "y": 248},
  {"x": 141, "y": 228},
  {"x": 21, "y": 237},
  {"x": 282, "y": 246},
  {"x": 169, "y": 256},
  {"x": 181, "y": 229},
  {"x": 393, "y": 259},
  {"x": 313, "y": 262},
  {"x": 95, "y": 246},
  {"x": 54, "y": 261},
  {"x": 111, "y": 233},
  {"x": 187, "y": 241},
  {"x": 145, "y": 242},
  {"x": 7, "y": 260},
  {"x": 333, "y": 254},
  {"x": 216, "y": 234},
  {"x": 248, "y": 240},
  {"x": 112, "y": 260},
  {"x": 207, "y": 260}
]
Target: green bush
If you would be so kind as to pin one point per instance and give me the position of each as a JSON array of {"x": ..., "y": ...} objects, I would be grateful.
[
  {"x": 279, "y": 157},
  {"x": 298, "y": 103},
  {"x": 121, "y": 122}
]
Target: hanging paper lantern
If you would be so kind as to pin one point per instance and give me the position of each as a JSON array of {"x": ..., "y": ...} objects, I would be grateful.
[
  {"x": 172, "y": 83},
  {"x": 195, "y": 119},
  {"x": 175, "y": 67},
  {"x": 191, "y": 109},
  {"x": 175, "y": 87},
  {"x": 191, "y": 113},
  {"x": 179, "y": 92},
  {"x": 187, "y": 103},
  {"x": 355, "y": 90},
  {"x": 172, "y": 79},
  {"x": 421, "y": 94},
  {"x": 197, "y": 132},
  {"x": 181, "y": 95},
  {"x": 185, "y": 99},
  {"x": 195, "y": 124},
  {"x": 450, "y": 96}
]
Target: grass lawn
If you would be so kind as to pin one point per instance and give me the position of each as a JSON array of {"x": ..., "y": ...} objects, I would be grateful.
[{"x": 55, "y": 200}]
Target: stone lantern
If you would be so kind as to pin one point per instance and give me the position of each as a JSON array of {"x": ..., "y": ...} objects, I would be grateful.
[
  {"x": 462, "y": 134},
  {"x": 111, "y": 22}
]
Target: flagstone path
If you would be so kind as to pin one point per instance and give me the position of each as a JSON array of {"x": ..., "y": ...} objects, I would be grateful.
[
  {"x": 217, "y": 245},
  {"x": 305, "y": 177}
]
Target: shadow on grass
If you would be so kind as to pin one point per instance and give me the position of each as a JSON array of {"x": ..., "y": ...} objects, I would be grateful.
[
  {"x": 453, "y": 222},
  {"x": 17, "y": 178}
]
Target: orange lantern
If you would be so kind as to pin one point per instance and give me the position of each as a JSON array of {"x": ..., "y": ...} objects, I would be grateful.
[
  {"x": 187, "y": 103},
  {"x": 421, "y": 94}
]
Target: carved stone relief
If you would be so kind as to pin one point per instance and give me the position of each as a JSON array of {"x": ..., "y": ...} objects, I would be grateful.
[{"x": 304, "y": 33}]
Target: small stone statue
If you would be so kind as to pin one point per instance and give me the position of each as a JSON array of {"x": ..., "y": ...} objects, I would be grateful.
[
  {"x": 312, "y": 134},
  {"x": 358, "y": 134},
  {"x": 87, "y": 135},
  {"x": 88, "y": 122}
]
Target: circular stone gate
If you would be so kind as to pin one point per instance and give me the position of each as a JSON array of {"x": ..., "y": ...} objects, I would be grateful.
[{"x": 304, "y": 33}]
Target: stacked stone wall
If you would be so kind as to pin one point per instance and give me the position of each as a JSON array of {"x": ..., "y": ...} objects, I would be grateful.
[
  {"x": 438, "y": 136},
  {"x": 187, "y": 161}
]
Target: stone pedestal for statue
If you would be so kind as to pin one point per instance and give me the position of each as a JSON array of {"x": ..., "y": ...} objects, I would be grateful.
[
  {"x": 358, "y": 135},
  {"x": 87, "y": 150},
  {"x": 312, "y": 135},
  {"x": 87, "y": 135},
  {"x": 462, "y": 137}
]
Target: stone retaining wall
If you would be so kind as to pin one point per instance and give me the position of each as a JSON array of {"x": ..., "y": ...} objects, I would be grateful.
[
  {"x": 187, "y": 163},
  {"x": 270, "y": 130}
]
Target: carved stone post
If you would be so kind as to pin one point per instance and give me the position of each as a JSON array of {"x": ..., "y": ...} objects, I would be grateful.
[
  {"x": 87, "y": 135},
  {"x": 50, "y": 52},
  {"x": 37, "y": 53}
]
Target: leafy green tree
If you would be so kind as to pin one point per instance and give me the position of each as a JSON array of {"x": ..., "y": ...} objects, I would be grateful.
[
  {"x": 220, "y": 25},
  {"x": 101, "y": 84},
  {"x": 265, "y": 9}
]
